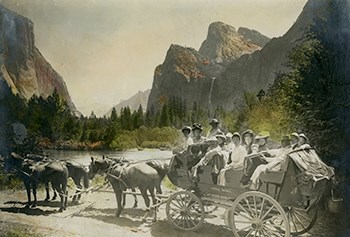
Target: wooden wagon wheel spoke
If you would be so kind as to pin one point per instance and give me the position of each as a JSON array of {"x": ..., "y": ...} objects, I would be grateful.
[
  {"x": 251, "y": 231},
  {"x": 246, "y": 217},
  {"x": 176, "y": 204},
  {"x": 188, "y": 208},
  {"x": 302, "y": 215},
  {"x": 250, "y": 209},
  {"x": 245, "y": 210},
  {"x": 300, "y": 220},
  {"x": 260, "y": 216}
]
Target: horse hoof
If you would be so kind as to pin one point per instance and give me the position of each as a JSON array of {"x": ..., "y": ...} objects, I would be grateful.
[
  {"x": 60, "y": 210},
  {"x": 117, "y": 215},
  {"x": 34, "y": 205}
]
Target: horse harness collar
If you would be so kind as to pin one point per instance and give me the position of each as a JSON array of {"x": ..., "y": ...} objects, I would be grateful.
[{"x": 119, "y": 178}]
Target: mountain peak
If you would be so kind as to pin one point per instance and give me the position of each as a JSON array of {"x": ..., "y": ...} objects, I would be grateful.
[
  {"x": 253, "y": 36},
  {"x": 224, "y": 44}
]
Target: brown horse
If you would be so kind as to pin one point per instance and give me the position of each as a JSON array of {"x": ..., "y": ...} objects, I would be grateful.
[
  {"x": 130, "y": 175},
  {"x": 32, "y": 173}
]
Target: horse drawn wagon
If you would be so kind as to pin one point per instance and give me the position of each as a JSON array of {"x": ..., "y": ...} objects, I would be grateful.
[{"x": 285, "y": 203}]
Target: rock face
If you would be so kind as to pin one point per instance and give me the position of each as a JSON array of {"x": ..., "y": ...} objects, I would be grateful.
[
  {"x": 22, "y": 66},
  {"x": 253, "y": 36},
  {"x": 257, "y": 71},
  {"x": 241, "y": 71},
  {"x": 190, "y": 74},
  {"x": 184, "y": 73},
  {"x": 224, "y": 44},
  {"x": 134, "y": 102}
]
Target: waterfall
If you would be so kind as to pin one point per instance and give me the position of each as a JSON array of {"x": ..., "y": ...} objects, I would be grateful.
[{"x": 210, "y": 94}]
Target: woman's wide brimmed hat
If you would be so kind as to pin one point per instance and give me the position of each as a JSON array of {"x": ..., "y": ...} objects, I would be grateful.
[
  {"x": 236, "y": 134},
  {"x": 220, "y": 136},
  {"x": 197, "y": 126},
  {"x": 212, "y": 140},
  {"x": 186, "y": 128},
  {"x": 285, "y": 138},
  {"x": 248, "y": 132},
  {"x": 294, "y": 134},
  {"x": 229, "y": 135},
  {"x": 303, "y": 136},
  {"x": 262, "y": 135},
  {"x": 214, "y": 121}
]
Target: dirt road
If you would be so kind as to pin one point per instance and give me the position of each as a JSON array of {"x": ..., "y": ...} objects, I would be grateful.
[{"x": 94, "y": 216}]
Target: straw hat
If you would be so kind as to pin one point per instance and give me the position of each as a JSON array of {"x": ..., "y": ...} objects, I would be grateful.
[{"x": 262, "y": 135}]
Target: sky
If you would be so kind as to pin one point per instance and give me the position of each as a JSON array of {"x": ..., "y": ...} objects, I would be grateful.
[{"x": 107, "y": 50}]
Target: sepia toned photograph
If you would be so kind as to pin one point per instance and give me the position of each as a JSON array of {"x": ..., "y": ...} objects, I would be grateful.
[{"x": 174, "y": 118}]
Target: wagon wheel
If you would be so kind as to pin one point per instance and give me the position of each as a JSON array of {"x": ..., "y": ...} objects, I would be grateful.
[
  {"x": 185, "y": 211},
  {"x": 300, "y": 220},
  {"x": 257, "y": 214}
]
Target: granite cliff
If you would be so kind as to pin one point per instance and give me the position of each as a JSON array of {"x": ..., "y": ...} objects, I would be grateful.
[
  {"x": 23, "y": 69},
  {"x": 190, "y": 74}
]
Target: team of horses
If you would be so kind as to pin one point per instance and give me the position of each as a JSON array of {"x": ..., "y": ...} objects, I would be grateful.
[{"x": 121, "y": 174}]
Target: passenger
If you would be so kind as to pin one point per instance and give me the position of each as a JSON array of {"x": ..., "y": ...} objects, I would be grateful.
[
  {"x": 294, "y": 138},
  {"x": 237, "y": 158},
  {"x": 214, "y": 123},
  {"x": 238, "y": 153},
  {"x": 213, "y": 150},
  {"x": 187, "y": 140},
  {"x": 224, "y": 151},
  {"x": 229, "y": 143},
  {"x": 273, "y": 163},
  {"x": 197, "y": 133},
  {"x": 303, "y": 142},
  {"x": 247, "y": 140},
  {"x": 261, "y": 140}
]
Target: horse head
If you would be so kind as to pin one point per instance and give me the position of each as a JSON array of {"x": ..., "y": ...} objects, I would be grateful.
[
  {"x": 97, "y": 166},
  {"x": 13, "y": 162}
]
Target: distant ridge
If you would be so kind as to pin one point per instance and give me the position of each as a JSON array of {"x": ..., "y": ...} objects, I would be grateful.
[{"x": 134, "y": 102}]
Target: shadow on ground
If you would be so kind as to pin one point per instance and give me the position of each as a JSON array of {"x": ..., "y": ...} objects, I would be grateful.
[{"x": 163, "y": 228}]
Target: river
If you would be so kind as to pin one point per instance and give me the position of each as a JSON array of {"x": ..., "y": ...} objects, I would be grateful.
[{"x": 84, "y": 157}]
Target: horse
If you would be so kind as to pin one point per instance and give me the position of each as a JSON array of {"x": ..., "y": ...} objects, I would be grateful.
[
  {"x": 32, "y": 173},
  {"x": 129, "y": 175},
  {"x": 77, "y": 172}
]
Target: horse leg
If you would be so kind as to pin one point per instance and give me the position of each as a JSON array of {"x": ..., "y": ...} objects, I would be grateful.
[
  {"x": 54, "y": 194},
  {"x": 118, "y": 195},
  {"x": 65, "y": 194},
  {"x": 27, "y": 185},
  {"x": 124, "y": 199},
  {"x": 135, "y": 198},
  {"x": 154, "y": 201},
  {"x": 47, "y": 192},
  {"x": 34, "y": 186},
  {"x": 147, "y": 201},
  {"x": 58, "y": 188}
]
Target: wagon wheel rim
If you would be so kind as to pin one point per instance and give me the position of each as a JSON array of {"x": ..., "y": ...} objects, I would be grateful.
[
  {"x": 300, "y": 220},
  {"x": 257, "y": 214},
  {"x": 185, "y": 211}
]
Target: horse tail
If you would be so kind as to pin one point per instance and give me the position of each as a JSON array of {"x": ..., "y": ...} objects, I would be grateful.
[{"x": 86, "y": 179}]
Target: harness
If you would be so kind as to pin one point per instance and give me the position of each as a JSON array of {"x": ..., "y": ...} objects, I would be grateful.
[{"x": 108, "y": 171}]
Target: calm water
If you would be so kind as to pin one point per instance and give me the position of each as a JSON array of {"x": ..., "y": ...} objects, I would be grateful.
[{"x": 84, "y": 157}]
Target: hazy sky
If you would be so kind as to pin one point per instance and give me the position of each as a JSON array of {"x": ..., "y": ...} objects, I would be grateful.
[{"x": 106, "y": 50}]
